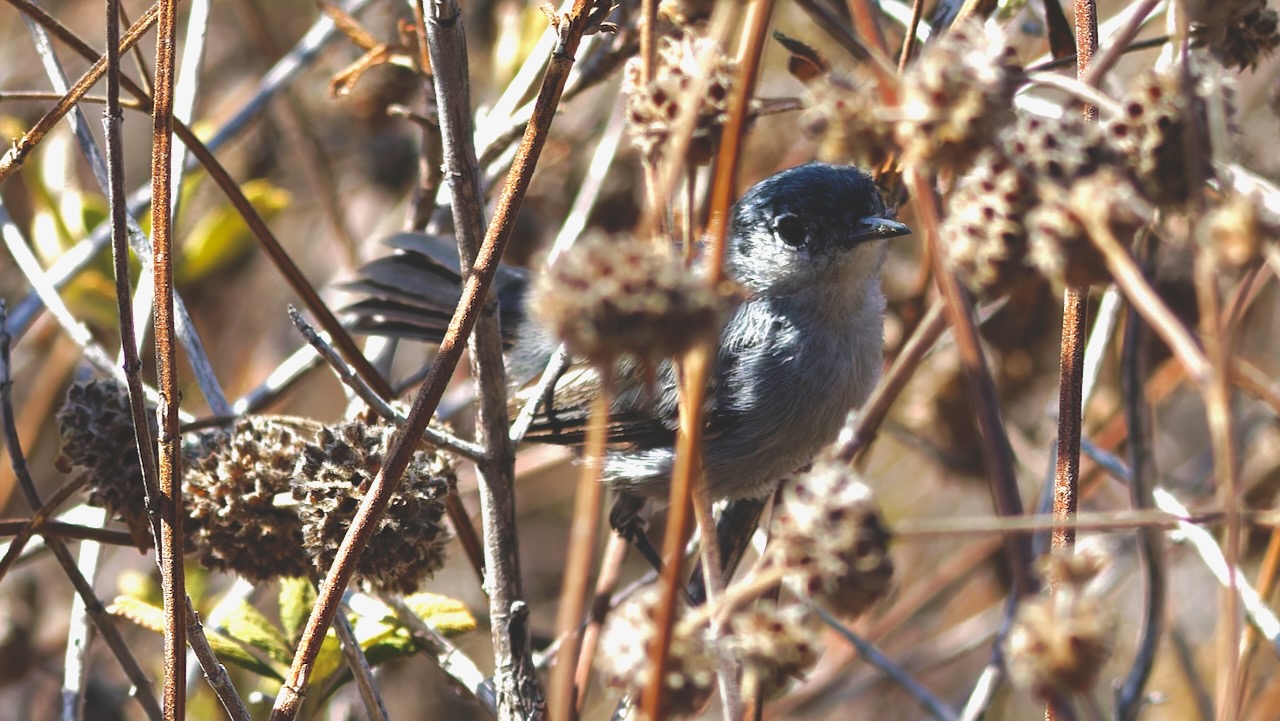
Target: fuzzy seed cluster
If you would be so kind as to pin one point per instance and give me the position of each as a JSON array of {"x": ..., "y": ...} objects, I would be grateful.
[
  {"x": 957, "y": 97},
  {"x": 235, "y": 523},
  {"x": 831, "y": 541},
  {"x": 1239, "y": 33},
  {"x": 1027, "y": 203},
  {"x": 1153, "y": 134},
  {"x": 623, "y": 661},
  {"x": 610, "y": 297},
  {"x": 774, "y": 643},
  {"x": 98, "y": 447},
  {"x": 847, "y": 122},
  {"x": 1060, "y": 641},
  {"x": 332, "y": 477},
  {"x": 652, "y": 108}
]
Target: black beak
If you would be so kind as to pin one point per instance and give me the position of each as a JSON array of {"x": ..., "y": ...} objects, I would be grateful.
[{"x": 877, "y": 229}]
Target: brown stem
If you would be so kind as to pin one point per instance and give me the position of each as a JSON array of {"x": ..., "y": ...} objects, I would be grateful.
[
  {"x": 577, "y": 563},
  {"x": 909, "y": 40},
  {"x": 999, "y": 462},
  {"x": 61, "y": 529},
  {"x": 168, "y": 460},
  {"x": 39, "y": 520}
]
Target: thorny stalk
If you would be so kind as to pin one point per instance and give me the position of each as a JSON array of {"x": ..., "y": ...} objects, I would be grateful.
[
  {"x": 168, "y": 459},
  {"x": 518, "y": 692}
]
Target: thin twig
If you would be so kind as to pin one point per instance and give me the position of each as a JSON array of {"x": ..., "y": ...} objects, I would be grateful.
[
  {"x": 75, "y": 674},
  {"x": 39, "y": 520},
  {"x": 450, "y": 659},
  {"x": 1129, "y": 695},
  {"x": 936, "y": 709},
  {"x": 63, "y": 529},
  {"x": 447, "y": 441},
  {"x": 374, "y": 706},
  {"x": 909, "y": 39}
]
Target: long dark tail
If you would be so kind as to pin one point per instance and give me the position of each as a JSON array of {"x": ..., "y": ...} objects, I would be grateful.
[{"x": 412, "y": 292}]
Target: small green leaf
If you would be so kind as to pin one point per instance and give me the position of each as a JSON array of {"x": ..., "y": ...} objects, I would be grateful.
[
  {"x": 220, "y": 238},
  {"x": 228, "y": 651},
  {"x": 447, "y": 615},
  {"x": 328, "y": 660},
  {"x": 247, "y": 625},
  {"x": 297, "y": 597}
]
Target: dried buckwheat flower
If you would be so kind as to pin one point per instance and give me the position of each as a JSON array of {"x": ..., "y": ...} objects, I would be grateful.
[
  {"x": 985, "y": 232},
  {"x": 1060, "y": 641},
  {"x": 235, "y": 523},
  {"x": 332, "y": 477},
  {"x": 623, "y": 657},
  {"x": 609, "y": 297},
  {"x": 844, "y": 116},
  {"x": 653, "y": 107},
  {"x": 1058, "y": 230},
  {"x": 774, "y": 643},
  {"x": 957, "y": 97},
  {"x": 1233, "y": 229},
  {"x": 830, "y": 540},
  {"x": 1154, "y": 133}
]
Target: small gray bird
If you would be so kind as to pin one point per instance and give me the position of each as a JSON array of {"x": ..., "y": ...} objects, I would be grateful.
[{"x": 796, "y": 356}]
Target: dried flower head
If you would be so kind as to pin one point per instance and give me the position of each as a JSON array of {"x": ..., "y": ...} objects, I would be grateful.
[
  {"x": 332, "y": 477},
  {"x": 844, "y": 117},
  {"x": 609, "y": 297},
  {"x": 1058, "y": 150},
  {"x": 98, "y": 446},
  {"x": 1155, "y": 135},
  {"x": 623, "y": 659},
  {"x": 1059, "y": 228},
  {"x": 957, "y": 97},
  {"x": 774, "y": 643},
  {"x": 1060, "y": 641},
  {"x": 830, "y": 540},
  {"x": 985, "y": 232},
  {"x": 653, "y": 107},
  {"x": 235, "y": 524}
]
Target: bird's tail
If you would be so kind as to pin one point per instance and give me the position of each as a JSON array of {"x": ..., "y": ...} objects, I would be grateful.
[{"x": 412, "y": 293}]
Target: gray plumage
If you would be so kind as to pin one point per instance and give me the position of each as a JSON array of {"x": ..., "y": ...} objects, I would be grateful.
[{"x": 802, "y": 351}]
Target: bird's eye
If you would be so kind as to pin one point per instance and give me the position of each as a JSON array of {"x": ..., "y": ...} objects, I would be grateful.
[{"x": 790, "y": 230}]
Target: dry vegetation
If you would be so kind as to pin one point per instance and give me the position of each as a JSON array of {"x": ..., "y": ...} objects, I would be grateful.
[{"x": 1131, "y": 204}]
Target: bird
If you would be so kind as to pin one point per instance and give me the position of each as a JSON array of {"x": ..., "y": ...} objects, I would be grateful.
[{"x": 803, "y": 350}]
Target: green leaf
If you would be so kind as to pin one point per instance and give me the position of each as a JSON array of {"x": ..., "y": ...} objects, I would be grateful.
[
  {"x": 220, "y": 238},
  {"x": 228, "y": 651},
  {"x": 447, "y": 615},
  {"x": 328, "y": 660},
  {"x": 297, "y": 597},
  {"x": 247, "y": 625}
]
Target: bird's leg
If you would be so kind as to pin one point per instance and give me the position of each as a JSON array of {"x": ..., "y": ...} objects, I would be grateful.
[{"x": 626, "y": 519}]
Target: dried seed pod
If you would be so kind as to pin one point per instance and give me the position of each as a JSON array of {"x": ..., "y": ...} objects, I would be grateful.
[
  {"x": 1155, "y": 136},
  {"x": 774, "y": 643},
  {"x": 1249, "y": 40},
  {"x": 623, "y": 658},
  {"x": 98, "y": 447},
  {"x": 1058, "y": 229},
  {"x": 1060, "y": 641},
  {"x": 613, "y": 297},
  {"x": 235, "y": 524},
  {"x": 685, "y": 12},
  {"x": 1057, "y": 150},
  {"x": 984, "y": 230},
  {"x": 957, "y": 97},
  {"x": 653, "y": 107},
  {"x": 844, "y": 117},
  {"x": 830, "y": 540},
  {"x": 332, "y": 476}
]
